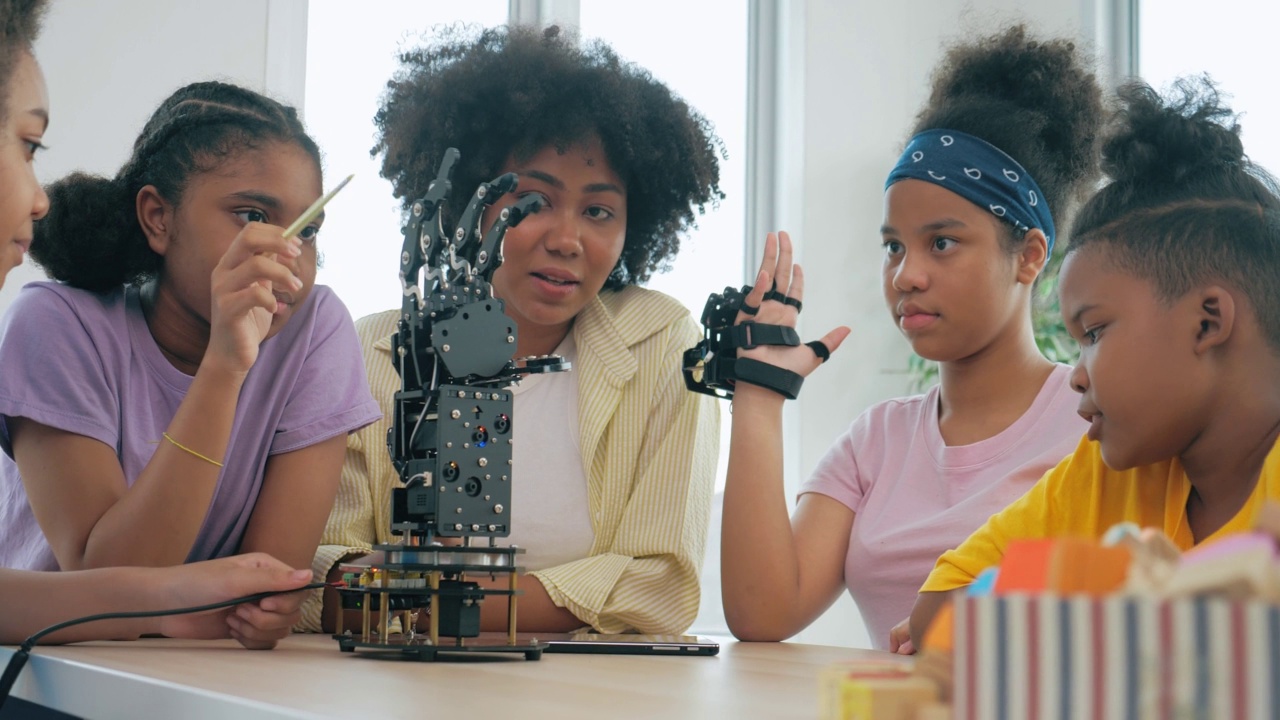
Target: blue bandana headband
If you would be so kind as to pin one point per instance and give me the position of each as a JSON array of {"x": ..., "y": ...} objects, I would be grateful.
[{"x": 979, "y": 172}]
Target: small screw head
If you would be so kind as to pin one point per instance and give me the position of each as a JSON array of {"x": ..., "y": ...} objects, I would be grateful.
[
  {"x": 498, "y": 508},
  {"x": 418, "y": 209},
  {"x": 483, "y": 462},
  {"x": 455, "y": 414}
]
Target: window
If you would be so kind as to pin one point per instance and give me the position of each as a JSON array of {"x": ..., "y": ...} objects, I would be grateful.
[
  {"x": 350, "y": 56},
  {"x": 1179, "y": 37}
]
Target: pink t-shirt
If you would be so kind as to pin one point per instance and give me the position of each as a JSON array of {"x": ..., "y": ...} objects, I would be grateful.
[{"x": 915, "y": 498}]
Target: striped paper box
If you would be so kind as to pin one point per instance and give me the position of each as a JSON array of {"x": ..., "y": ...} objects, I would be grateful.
[{"x": 1044, "y": 657}]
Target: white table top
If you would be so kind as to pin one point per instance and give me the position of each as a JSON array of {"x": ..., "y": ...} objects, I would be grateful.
[{"x": 307, "y": 676}]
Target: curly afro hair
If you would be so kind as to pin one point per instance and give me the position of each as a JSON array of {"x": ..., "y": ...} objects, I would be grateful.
[
  {"x": 1038, "y": 101},
  {"x": 20, "y": 22},
  {"x": 1185, "y": 206},
  {"x": 509, "y": 92}
]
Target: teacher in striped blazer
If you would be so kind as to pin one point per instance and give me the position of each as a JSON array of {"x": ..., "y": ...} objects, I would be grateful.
[{"x": 615, "y": 461}]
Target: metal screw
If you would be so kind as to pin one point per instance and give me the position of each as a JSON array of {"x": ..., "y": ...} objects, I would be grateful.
[
  {"x": 461, "y": 394},
  {"x": 465, "y": 424},
  {"x": 461, "y": 233},
  {"x": 497, "y": 509},
  {"x": 417, "y": 209},
  {"x": 492, "y": 528},
  {"x": 479, "y": 396},
  {"x": 511, "y": 339},
  {"x": 445, "y": 347},
  {"x": 511, "y": 441},
  {"x": 466, "y": 445},
  {"x": 459, "y": 511},
  {"x": 449, "y": 444},
  {"x": 487, "y": 476},
  {"x": 404, "y": 258},
  {"x": 443, "y": 489},
  {"x": 455, "y": 414},
  {"x": 458, "y": 526},
  {"x": 400, "y": 351},
  {"x": 482, "y": 191},
  {"x": 504, "y": 478},
  {"x": 508, "y": 462},
  {"x": 487, "y": 497},
  {"x": 459, "y": 490},
  {"x": 493, "y": 396},
  {"x": 483, "y": 462},
  {"x": 483, "y": 256}
]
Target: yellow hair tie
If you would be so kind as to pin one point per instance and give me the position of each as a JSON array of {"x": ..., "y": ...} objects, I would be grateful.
[{"x": 186, "y": 449}]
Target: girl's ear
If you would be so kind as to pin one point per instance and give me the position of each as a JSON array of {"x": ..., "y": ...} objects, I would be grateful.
[
  {"x": 1033, "y": 256},
  {"x": 1216, "y": 315},
  {"x": 155, "y": 215}
]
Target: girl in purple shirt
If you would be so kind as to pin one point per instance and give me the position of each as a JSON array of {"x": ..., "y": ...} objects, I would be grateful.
[
  {"x": 33, "y": 600},
  {"x": 966, "y": 233},
  {"x": 183, "y": 392}
]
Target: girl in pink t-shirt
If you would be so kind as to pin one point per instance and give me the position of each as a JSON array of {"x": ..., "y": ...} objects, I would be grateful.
[{"x": 1009, "y": 132}]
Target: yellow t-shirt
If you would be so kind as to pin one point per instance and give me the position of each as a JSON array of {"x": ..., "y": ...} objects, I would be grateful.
[{"x": 1082, "y": 497}]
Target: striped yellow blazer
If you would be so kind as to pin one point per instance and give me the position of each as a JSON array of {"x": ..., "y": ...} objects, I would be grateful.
[{"x": 649, "y": 448}]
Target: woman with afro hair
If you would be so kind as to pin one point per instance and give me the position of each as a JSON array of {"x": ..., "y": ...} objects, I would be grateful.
[
  {"x": 615, "y": 465},
  {"x": 1009, "y": 133}
]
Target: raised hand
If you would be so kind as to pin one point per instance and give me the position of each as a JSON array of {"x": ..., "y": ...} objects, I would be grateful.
[
  {"x": 257, "y": 625},
  {"x": 255, "y": 268},
  {"x": 777, "y": 272}
]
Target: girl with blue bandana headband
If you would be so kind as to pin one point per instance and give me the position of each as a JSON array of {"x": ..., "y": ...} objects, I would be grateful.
[{"x": 1007, "y": 139}]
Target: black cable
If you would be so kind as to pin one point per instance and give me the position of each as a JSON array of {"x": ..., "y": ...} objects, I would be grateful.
[{"x": 23, "y": 653}]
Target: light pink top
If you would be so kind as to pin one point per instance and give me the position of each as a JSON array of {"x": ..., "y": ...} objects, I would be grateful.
[{"x": 914, "y": 497}]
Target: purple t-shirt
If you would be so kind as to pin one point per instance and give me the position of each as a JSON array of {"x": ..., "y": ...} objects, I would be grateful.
[
  {"x": 87, "y": 364},
  {"x": 914, "y": 497}
]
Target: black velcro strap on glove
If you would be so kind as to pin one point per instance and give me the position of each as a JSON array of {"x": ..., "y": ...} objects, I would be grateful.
[
  {"x": 770, "y": 377},
  {"x": 748, "y": 335},
  {"x": 819, "y": 349},
  {"x": 779, "y": 297}
]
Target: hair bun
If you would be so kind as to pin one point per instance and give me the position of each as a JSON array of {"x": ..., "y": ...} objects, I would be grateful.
[
  {"x": 1162, "y": 140},
  {"x": 80, "y": 240},
  {"x": 1035, "y": 99}
]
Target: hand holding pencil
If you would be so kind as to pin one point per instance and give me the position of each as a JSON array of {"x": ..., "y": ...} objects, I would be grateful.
[{"x": 254, "y": 287}]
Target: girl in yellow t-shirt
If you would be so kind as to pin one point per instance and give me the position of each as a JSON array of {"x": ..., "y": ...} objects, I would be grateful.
[{"x": 1172, "y": 288}]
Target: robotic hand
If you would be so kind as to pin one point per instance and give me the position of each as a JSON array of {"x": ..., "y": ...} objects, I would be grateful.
[
  {"x": 712, "y": 367},
  {"x": 450, "y": 438}
]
